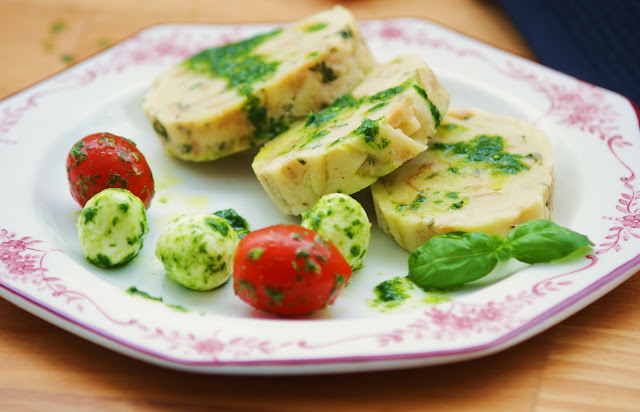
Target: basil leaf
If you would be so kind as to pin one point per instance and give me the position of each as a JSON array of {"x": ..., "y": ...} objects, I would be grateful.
[
  {"x": 538, "y": 241},
  {"x": 453, "y": 259}
]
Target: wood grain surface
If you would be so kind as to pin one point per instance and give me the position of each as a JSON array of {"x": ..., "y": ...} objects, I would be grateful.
[{"x": 590, "y": 361}]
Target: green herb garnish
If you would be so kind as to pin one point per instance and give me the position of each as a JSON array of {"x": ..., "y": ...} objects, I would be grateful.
[
  {"x": 237, "y": 222},
  {"x": 453, "y": 259}
]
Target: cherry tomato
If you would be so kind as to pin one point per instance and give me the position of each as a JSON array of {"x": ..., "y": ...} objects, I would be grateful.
[
  {"x": 104, "y": 160},
  {"x": 288, "y": 270}
]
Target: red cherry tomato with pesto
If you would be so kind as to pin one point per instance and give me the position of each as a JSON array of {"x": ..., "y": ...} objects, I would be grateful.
[
  {"x": 104, "y": 160},
  {"x": 288, "y": 270}
]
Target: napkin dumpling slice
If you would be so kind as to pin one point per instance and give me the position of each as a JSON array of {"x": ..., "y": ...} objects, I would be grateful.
[
  {"x": 226, "y": 99},
  {"x": 481, "y": 173},
  {"x": 364, "y": 135}
]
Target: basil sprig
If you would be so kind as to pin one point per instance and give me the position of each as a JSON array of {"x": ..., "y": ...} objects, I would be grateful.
[{"x": 453, "y": 259}]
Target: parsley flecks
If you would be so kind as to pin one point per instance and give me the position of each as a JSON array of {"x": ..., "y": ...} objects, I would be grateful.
[
  {"x": 311, "y": 266},
  {"x": 58, "y": 26},
  {"x": 245, "y": 285},
  {"x": 160, "y": 129},
  {"x": 67, "y": 58},
  {"x": 89, "y": 213},
  {"x": 78, "y": 153},
  {"x": 115, "y": 180},
  {"x": 415, "y": 205},
  {"x": 346, "y": 33},
  {"x": 276, "y": 294},
  {"x": 328, "y": 75}
]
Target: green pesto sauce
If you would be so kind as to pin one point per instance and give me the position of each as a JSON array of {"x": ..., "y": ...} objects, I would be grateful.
[
  {"x": 488, "y": 150},
  {"x": 437, "y": 116},
  {"x": 338, "y": 281},
  {"x": 327, "y": 73},
  {"x": 400, "y": 291},
  {"x": 369, "y": 130},
  {"x": 115, "y": 180},
  {"x": 317, "y": 122},
  {"x": 312, "y": 27},
  {"x": 255, "y": 253},
  {"x": 58, "y": 26},
  {"x": 248, "y": 287},
  {"x": 275, "y": 294},
  {"x": 266, "y": 127},
  {"x": 78, "y": 153},
  {"x": 450, "y": 129},
  {"x": 104, "y": 260},
  {"x": 392, "y": 290},
  {"x": 434, "y": 200},
  {"x": 237, "y": 222},
  {"x": 217, "y": 225},
  {"x": 134, "y": 291},
  {"x": 160, "y": 129},
  {"x": 346, "y": 33},
  {"x": 89, "y": 213},
  {"x": 322, "y": 117},
  {"x": 385, "y": 95},
  {"x": 376, "y": 107},
  {"x": 235, "y": 62}
]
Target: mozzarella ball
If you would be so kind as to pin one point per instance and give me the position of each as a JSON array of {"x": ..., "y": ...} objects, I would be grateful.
[
  {"x": 112, "y": 227},
  {"x": 341, "y": 220},
  {"x": 197, "y": 250}
]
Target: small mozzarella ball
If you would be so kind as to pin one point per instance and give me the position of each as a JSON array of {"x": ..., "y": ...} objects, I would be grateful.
[
  {"x": 112, "y": 227},
  {"x": 197, "y": 250},
  {"x": 342, "y": 220}
]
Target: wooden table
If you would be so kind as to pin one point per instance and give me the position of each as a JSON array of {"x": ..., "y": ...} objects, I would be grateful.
[{"x": 588, "y": 362}]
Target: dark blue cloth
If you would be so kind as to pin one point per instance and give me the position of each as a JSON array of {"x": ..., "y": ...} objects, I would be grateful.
[{"x": 594, "y": 40}]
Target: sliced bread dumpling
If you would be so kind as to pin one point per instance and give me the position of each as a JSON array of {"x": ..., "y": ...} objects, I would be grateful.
[
  {"x": 481, "y": 173},
  {"x": 226, "y": 99},
  {"x": 385, "y": 121}
]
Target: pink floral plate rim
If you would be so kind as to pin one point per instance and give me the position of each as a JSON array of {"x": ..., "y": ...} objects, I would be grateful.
[
  {"x": 568, "y": 106},
  {"x": 503, "y": 342}
]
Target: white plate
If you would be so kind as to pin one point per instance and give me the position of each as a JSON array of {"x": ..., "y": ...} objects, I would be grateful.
[{"x": 596, "y": 143}]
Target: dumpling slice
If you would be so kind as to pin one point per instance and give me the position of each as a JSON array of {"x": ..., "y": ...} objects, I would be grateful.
[
  {"x": 226, "y": 99},
  {"x": 385, "y": 121},
  {"x": 481, "y": 173}
]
